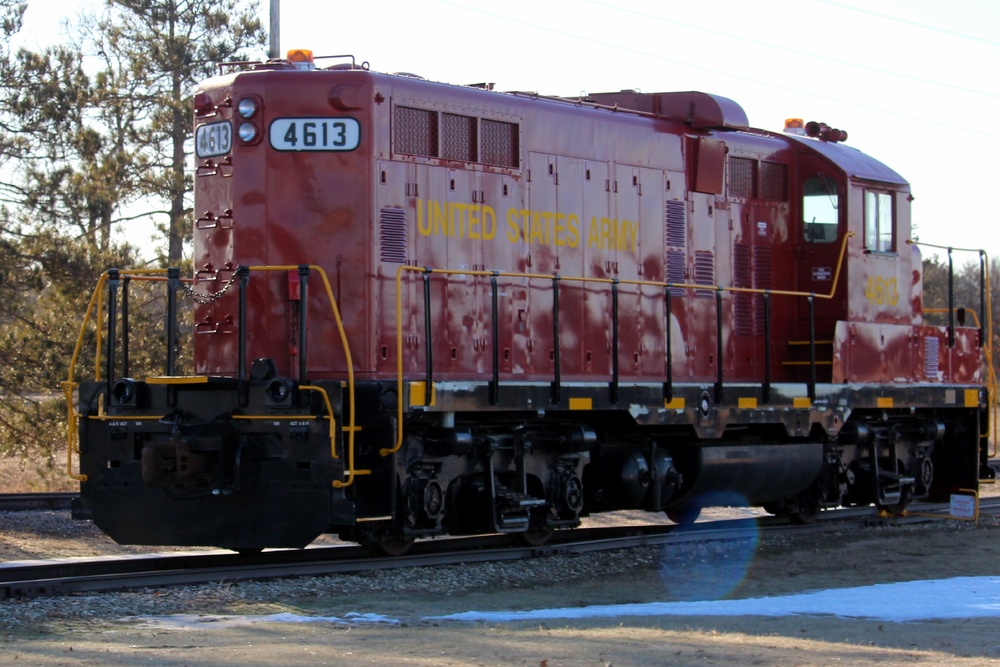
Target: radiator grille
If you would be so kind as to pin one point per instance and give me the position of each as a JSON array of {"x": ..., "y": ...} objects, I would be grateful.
[
  {"x": 458, "y": 137},
  {"x": 773, "y": 181},
  {"x": 416, "y": 131},
  {"x": 501, "y": 143},
  {"x": 742, "y": 177}
]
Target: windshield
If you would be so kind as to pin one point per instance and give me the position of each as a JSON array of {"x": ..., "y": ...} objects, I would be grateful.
[{"x": 820, "y": 209}]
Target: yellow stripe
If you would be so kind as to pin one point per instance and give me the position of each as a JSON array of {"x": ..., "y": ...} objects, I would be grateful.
[
  {"x": 177, "y": 379},
  {"x": 801, "y": 403},
  {"x": 418, "y": 394},
  {"x": 883, "y": 402},
  {"x": 277, "y": 417},
  {"x": 122, "y": 418},
  {"x": 675, "y": 404},
  {"x": 581, "y": 404},
  {"x": 972, "y": 398},
  {"x": 748, "y": 403}
]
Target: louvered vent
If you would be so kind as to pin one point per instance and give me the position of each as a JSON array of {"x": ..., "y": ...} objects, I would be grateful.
[
  {"x": 458, "y": 137},
  {"x": 392, "y": 235},
  {"x": 742, "y": 301},
  {"x": 501, "y": 143},
  {"x": 676, "y": 234},
  {"x": 931, "y": 357},
  {"x": 704, "y": 273},
  {"x": 416, "y": 131},
  {"x": 762, "y": 272}
]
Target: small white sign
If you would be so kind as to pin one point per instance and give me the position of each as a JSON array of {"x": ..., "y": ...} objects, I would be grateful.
[
  {"x": 822, "y": 273},
  {"x": 963, "y": 506}
]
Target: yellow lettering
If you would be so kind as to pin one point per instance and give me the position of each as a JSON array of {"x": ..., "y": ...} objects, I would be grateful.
[
  {"x": 437, "y": 218},
  {"x": 474, "y": 221},
  {"x": 607, "y": 233},
  {"x": 424, "y": 230},
  {"x": 560, "y": 228},
  {"x": 594, "y": 237},
  {"x": 513, "y": 230},
  {"x": 623, "y": 235},
  {"x": 489, "y": 220},
  {"x": 537, "y": 233},
  {"x": 573, "y": 226},
  {"x": 460, "y": 223},
  {"x": 547, "y": 226}
]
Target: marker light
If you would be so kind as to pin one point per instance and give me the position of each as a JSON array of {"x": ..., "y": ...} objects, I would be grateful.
[
  {"x": 794, "y": 126},
  {"x": 247, "y": 107},
  {"x": 248, "y": 132},
  {"x": 301, "y": 58}
]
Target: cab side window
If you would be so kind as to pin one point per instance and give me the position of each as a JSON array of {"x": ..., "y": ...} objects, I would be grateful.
[
  {"x": 820, "y": 209},
  {"x": 880, "y": 233}
]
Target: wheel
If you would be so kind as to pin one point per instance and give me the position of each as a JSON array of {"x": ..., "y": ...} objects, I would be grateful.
[
  {"x": 897, "y": 508},
  {"x": 534, "y": 538},
  {"x": 685, "y": 515},
  {"x": 805, "y": 514},
  {"x": 390, "y": 547}
]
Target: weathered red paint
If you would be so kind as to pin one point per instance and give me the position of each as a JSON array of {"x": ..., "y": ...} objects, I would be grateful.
[{"x": 590, "y": 197}]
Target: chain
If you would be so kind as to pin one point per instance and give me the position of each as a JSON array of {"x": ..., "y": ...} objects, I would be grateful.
[{"x": 214, "y": 296}]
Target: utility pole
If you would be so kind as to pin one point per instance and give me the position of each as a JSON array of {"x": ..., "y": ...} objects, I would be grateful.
[{"x": 274, "y": 50}]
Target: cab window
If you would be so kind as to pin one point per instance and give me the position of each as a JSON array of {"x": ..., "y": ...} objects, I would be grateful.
[
  {"x": 820, "y": 209},
  {"x": 879, "y": 230}
]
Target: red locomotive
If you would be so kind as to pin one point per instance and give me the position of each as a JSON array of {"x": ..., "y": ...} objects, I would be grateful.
[{"x": 432, "y": 309}]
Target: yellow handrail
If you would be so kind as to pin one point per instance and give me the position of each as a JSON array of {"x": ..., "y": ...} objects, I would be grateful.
[
  {"x": 544, "y": 276},
  {"x": 329, "y": 411},
  {"x": 991, "y": 374},
  {"x": 97, "y": 298},
  {"x": 938, "y": 311}
]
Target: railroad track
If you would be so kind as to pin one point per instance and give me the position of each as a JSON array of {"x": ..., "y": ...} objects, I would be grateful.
[
  {"x": 60, "y": 577},
  {"x": 21, "y": 502}
]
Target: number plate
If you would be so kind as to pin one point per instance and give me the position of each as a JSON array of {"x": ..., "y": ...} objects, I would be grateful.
[
  {"x": 315, "y": 134},
  {"x": 212, "y": 139}
]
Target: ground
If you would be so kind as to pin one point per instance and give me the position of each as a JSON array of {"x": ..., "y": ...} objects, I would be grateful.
[{"x": 80, "y": 631}]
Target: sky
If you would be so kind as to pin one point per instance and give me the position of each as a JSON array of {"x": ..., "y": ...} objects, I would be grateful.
[
  {"x": 913, "y": 82},
  {"x": 958, "y": 598}
]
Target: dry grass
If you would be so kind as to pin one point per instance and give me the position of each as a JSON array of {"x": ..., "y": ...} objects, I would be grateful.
[{"x": 36, "y": 475}]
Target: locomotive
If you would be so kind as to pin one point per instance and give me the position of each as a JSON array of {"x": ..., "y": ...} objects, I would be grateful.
[{"x": 426, "y": 309}]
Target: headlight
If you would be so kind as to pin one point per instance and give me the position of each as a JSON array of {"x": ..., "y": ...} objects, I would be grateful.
[
  {"x": 247, "y": 107},
  {"x": 248, "y": 132}
]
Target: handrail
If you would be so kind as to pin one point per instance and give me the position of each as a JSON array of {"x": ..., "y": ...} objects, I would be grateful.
[
  {"x": 329, "y": 409},
  {"x": 971, "y": 311},
  {"x": 555, "y": 279},
  {"x": 155, "y": 275},
  {"x": 986, "y": 295},
  {"x": 351, "y": 427}
]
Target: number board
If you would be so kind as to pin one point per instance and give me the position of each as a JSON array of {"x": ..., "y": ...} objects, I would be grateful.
[
  {"x": 213, "y": 139},
  {"x": 315, "y": 134}
]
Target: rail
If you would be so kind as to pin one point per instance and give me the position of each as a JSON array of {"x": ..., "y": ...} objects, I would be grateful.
[
  {"x": 615, "y": 283},
  {"x": 110, "y": 280}
]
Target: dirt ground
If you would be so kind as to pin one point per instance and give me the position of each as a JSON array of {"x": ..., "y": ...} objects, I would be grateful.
[{"x": 769, "y": 567}]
